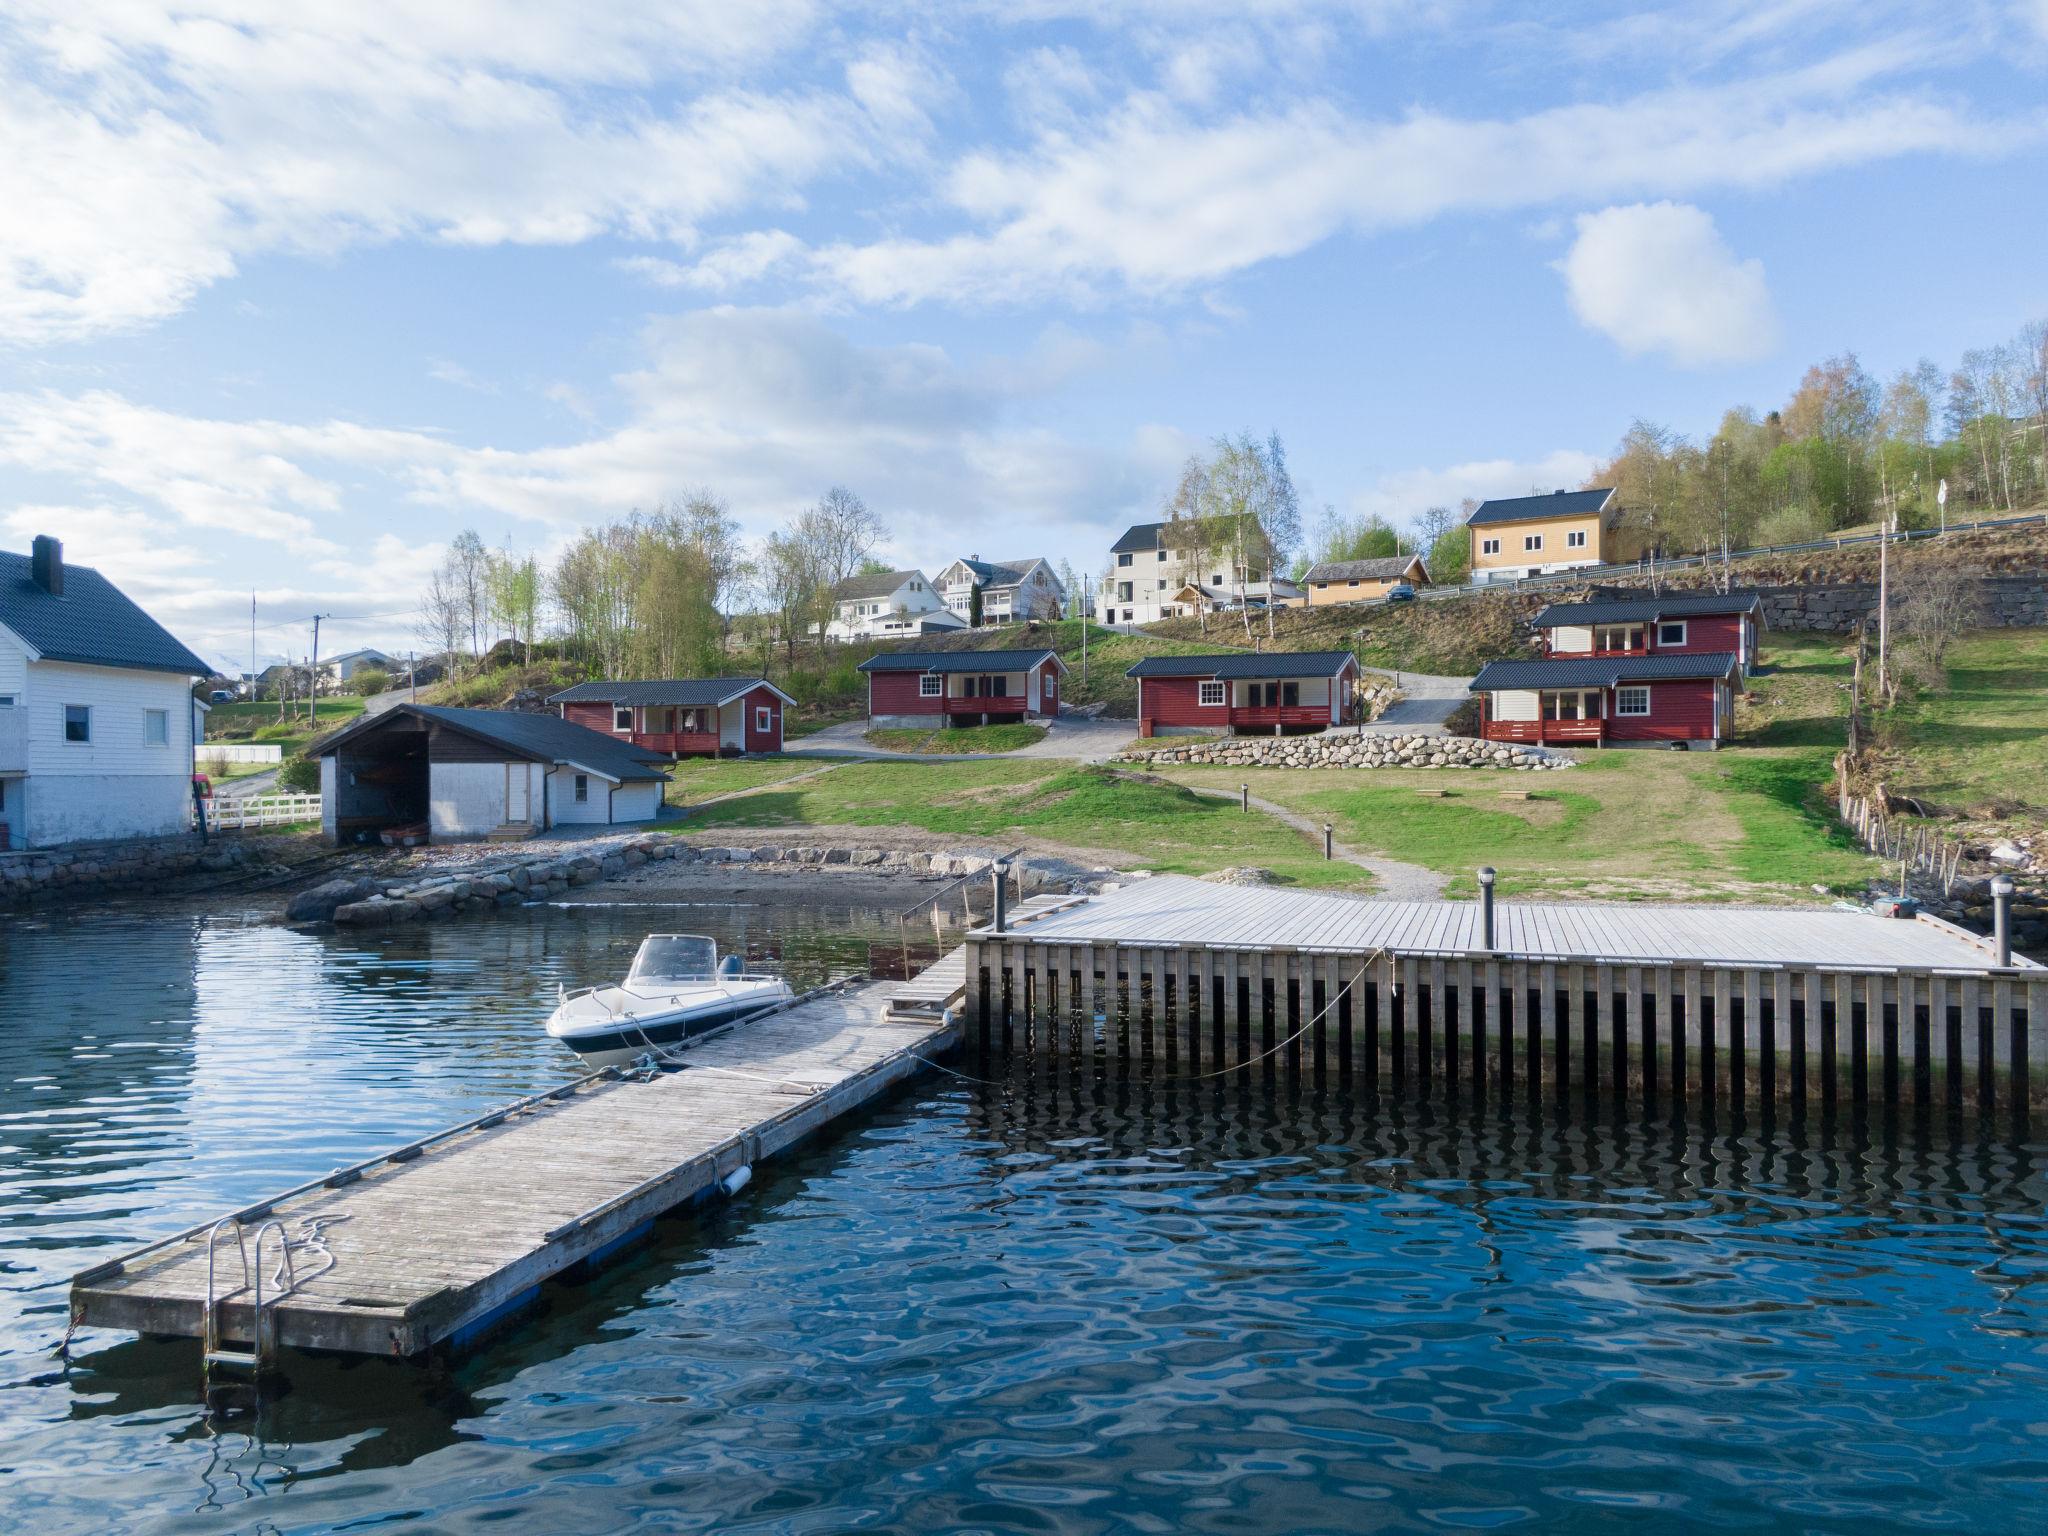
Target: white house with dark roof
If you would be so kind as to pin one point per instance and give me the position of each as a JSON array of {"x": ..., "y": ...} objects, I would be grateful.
[
  {"x": 97, "y": 719},
  {"x": 886, "y": 605},
  {"x": 1148, "y": 569},
  {"x": 1011, "y": 590}
]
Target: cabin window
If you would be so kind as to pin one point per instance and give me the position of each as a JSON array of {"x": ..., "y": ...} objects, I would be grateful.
[
  {"x": 6, "y": 701},
  {"x": 156, "y": 727},
  {"x": 690, "y": 720},
  {"x": 78, "y": 723},
  {"x": 1671, "y": 634},
  {"x": 622, "y": 717},
  {"x": 1216, "y": 580},
  {"x": 1619, "y": 637},
  {"x": 1162, "y": 555},
  {"x": 764, "y": 719},
  {"x": 582, "y": 788},
  {"x": 1489, "y": 546},
  {"x": 1350, "y": 583},
  {"x": 1213, "y": 693},
  {"x": 1576, "y": 539},
  {"x": 1532, "y": 541},
  {"x": 931, "y": 686},
  {"x": 1123, "y": 560},
  {"x": 1631, "y": 701},
  {"x": 1575, "y": 705}
]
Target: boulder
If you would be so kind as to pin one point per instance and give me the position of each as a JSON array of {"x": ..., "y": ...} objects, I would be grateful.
[{"x": 318, "y": 904}]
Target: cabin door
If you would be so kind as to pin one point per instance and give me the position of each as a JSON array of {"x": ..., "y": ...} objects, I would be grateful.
[{"x": 518, "y": 793}]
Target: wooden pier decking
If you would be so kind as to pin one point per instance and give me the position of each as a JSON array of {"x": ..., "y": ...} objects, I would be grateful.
[
  {"x": 436, "y": 1241},
  {"x": 1668, "y": 1005}
]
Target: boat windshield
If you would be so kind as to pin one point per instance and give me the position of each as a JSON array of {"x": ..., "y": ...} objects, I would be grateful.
[{"x": 675, "y": 957}]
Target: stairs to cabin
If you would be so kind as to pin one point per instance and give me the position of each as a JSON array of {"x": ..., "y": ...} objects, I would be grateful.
[{"x": 510, "y": 832}]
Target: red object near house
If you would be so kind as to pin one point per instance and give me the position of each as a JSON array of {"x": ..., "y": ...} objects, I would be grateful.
[
  {"x": 684, "y": 717},
  {"x": 1271, "y": 694},
  {"x": 1671, "y": 624},
  {"x": 1629, "y": 700},
  {"x": 964, "y": 687}
]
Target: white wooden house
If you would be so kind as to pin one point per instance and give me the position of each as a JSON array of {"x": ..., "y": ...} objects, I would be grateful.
[{"x": 97, "y": 721}]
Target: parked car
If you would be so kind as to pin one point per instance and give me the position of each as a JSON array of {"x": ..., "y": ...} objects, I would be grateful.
[{"x": 1401, "y": 593}]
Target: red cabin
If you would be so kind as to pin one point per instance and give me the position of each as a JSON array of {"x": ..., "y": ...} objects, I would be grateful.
[
  {"x": 927, "y": 689},
  {"x": 1275, "y": 693},
  {"x": 1670, "y": 699},
  {"x": 684, "y": 717},
  {"x": 1673, "y": 624}
]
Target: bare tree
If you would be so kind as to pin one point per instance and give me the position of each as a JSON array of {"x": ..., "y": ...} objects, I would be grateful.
[
  {"x": 469, "y": 569},
  {"x": 1238, "y": 505},
  {"x": 442, "y": 617},
  {"x": 1938, "y": 601}
]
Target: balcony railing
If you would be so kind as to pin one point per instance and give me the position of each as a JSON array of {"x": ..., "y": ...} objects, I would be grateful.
[
  {"x": 1280, "y": 714},
  {"x": 997, "y": 704},
  {"x": 1545, "y": 731},
  {"x": 13, "y": 740},
  {"x": 677, "y": 741}
]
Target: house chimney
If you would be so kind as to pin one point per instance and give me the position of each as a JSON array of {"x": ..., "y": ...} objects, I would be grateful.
[{"x": 46, "y": 564}]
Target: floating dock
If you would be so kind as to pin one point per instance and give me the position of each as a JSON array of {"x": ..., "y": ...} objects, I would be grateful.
[
  {"x": 435, "y": 1242},
  {"x": 1683, "y": 1006}
]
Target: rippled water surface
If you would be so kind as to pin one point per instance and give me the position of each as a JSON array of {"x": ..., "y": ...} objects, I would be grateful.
[{"x": 1073, "y": 1300}]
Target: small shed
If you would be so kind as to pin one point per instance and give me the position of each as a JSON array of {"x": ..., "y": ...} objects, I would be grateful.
[
  {"x": 472, "y": 773},
  {"x": 682, "y": 716}
]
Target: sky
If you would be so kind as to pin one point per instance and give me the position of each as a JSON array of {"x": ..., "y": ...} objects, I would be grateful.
[{"x": 290, "y": 295}]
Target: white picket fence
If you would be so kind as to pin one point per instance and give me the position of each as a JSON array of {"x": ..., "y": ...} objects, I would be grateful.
[
  {"x": 238, "y": 752},
  {"x": 223, "y": 815}
]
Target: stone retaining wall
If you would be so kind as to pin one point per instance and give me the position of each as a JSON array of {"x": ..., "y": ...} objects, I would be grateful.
[
  {"x": 2007, "y": 602},
  {"x": 1349, "y": 749},
  {"x": 373, "y": 903},
  {"x": 109, "y": 866}
]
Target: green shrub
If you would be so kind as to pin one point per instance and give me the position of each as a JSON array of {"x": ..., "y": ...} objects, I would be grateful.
[
  {"x": 369, "y": 680},
  {"x": 300, "y": 776}
]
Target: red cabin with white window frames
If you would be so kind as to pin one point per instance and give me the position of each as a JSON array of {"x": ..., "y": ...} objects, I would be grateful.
[
  {"x": 926, "y": 689},
  {"x": 684, "y": 717},
  {"x": 1666, "y": 624},
  {"x": 1269, "y": 694},
  {"x": 1673, "y": 699}
]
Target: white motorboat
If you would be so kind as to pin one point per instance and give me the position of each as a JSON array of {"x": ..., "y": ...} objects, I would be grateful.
[{"x": 677, "y": 990}]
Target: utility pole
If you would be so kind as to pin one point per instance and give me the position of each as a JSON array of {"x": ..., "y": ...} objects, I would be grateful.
[
  {"x": 1884, "y": 632},
  {"x": 412, "y": 676},
  {"x": 1084, "y": 633},
  {"x": 252, "y": 647},
  {"x": 313, "y": 675}
]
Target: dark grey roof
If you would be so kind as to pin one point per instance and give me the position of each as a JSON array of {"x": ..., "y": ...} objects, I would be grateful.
[
  {"x": 1138, "y": 536},
  {"x": 1522, "y": 509},
  {"x": 94, "y": 623},
  {"x": 958, "y": 661},
  {"x": 1600, "y": 671},
  {"x": 878, "y": 584},
  {"x": 538, "y": 738},
  {"x": 682, "y": 692},
  {"x": 1000, "y": 573},
  {"x": 1247, "y": 664},
  {"x": 1385, "y": 568},
  {"x": 1624, "y": 610}
]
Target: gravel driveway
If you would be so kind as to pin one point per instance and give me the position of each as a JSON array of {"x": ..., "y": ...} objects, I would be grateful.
[{"x": 1076, "y": 740}]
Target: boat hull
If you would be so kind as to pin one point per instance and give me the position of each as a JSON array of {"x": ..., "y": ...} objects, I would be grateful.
[{"x": 621, "y": 1040}]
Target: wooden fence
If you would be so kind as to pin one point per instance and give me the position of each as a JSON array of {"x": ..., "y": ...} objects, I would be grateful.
[
  {"x": 1916, "y": 849},
  {"x": 225, "y": 815}
]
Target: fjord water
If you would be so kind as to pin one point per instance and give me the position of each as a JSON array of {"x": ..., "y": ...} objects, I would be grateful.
[{"x": 1074, "y": 1299}]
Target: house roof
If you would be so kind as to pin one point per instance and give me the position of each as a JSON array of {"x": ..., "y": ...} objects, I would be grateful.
[
  {"x": 1138, "y": 536},
  {"x": 535, "y": 737},
  {"x": 960, "y": 661},
  {"x": 1600, "y": 671},
  {"x": 661, "y": 693},
  {"x": 1523, "y": 509},
  {"x": 1000, "y": 573},
  {"x": 874, "y": 584},
  {"x": 1247, "y": 664},
  {"x": 94, "y": 623},
  {"x": 1669, "y": 605},
  {"x": 335, "y": 661},
  {"x": 1384, "y": 568}
]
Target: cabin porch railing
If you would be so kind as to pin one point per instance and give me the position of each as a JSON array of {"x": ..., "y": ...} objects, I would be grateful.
[
  {"x": 1544, "y": 732},
  {"x": 1279, "y": 714},
  {"x": 996, "y": 704}
]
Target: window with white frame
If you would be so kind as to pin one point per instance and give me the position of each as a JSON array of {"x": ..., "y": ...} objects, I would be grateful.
[
  {"x": 1489, "y": 546},
  {"x": 764, "y": 719},
  {"x": 156, "y": 727},
  {"x": 1532, "y": 541},
  {"x": 1576, "y": 539},
  {"x": 1162, "y": 556},
  {"x": 582, "y": 788},
  {"x": 622, "y": 717},
  {"x": 1632, "y": 701},
  {"x": 78, "y": 723},
  {"x": 931, "y": 686},
  {"x": 1213, "y": 693},
  {"x": 1671, "y": 632}
]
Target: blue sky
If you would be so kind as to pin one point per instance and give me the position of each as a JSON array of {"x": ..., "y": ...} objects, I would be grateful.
[{"x": 285, "y": 302}]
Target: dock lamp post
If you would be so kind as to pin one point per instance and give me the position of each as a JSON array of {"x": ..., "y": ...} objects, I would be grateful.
[
  {"x": 1244, "y": 798},
  {"x": 1328, "y": 850},
  {"x": 1486, "y": 906},
  {"x": 999, "y": 876},
  {"x": 2001, "y": 918}
]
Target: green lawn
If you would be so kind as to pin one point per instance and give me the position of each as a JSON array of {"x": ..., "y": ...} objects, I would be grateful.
[
  {"x": 1134, "y": 825},
  {"x": 703, "y": 778},
  {"x": 965, "y": 738},
  {"x": 259, "y": 722}
]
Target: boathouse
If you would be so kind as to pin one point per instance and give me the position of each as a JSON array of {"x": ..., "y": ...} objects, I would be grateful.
[
  {"x": 1668, "y": 699},
  {"x": 1275, "y": 693},
  {"x": 928, "y": 689},
  {"x": 1670, "y": 624},
  {"x": 682, "y": 717},
  {"x": 473, "y": 773}
]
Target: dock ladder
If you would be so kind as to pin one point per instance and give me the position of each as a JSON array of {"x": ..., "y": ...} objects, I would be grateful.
[{"x": 262, "y": 1350}]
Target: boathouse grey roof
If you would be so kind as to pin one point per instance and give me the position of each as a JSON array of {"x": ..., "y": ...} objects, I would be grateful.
[
  {"x": 1382, "y": 568},
  {"x": 536, "y": 737},
  {"x": 959, "y": 661},
  {"x": 1246, "y": 664},
  {"x": 662, "y": 693},
  {"x": 1668, "y": 605},
  {"x": 874, "y": 584},
  {"x": 93, "y": 624},
  {"x": 1523, "y": 509},
  {"x": 1601, "y": 671}
]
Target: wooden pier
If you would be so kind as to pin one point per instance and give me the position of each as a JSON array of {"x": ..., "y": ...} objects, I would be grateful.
[
  {"x": 435, "y": 1242},
  {"x": 1673, "y": 1007}
]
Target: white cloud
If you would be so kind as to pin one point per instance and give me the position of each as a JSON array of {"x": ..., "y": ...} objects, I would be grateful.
[
  {"x": 1658, "y": 277},
  {"x": 1402, "y": 494}
]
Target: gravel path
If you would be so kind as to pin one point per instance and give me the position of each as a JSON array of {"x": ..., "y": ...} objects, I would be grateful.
[
  {"x": 1397, "y": 881},
  {"x": 1080, "y": 741}
]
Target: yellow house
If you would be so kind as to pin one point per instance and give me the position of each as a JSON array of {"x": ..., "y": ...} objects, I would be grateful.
[
  {"x": 1361, "y": 581},
  {"x": 1521, "y": 536}
]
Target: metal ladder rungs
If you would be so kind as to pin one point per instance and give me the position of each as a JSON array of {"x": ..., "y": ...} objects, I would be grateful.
[{"x": 246, "y": 1358}]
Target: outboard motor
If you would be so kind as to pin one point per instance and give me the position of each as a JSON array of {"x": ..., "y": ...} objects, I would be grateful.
[{"x": 731, "y": 968}]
